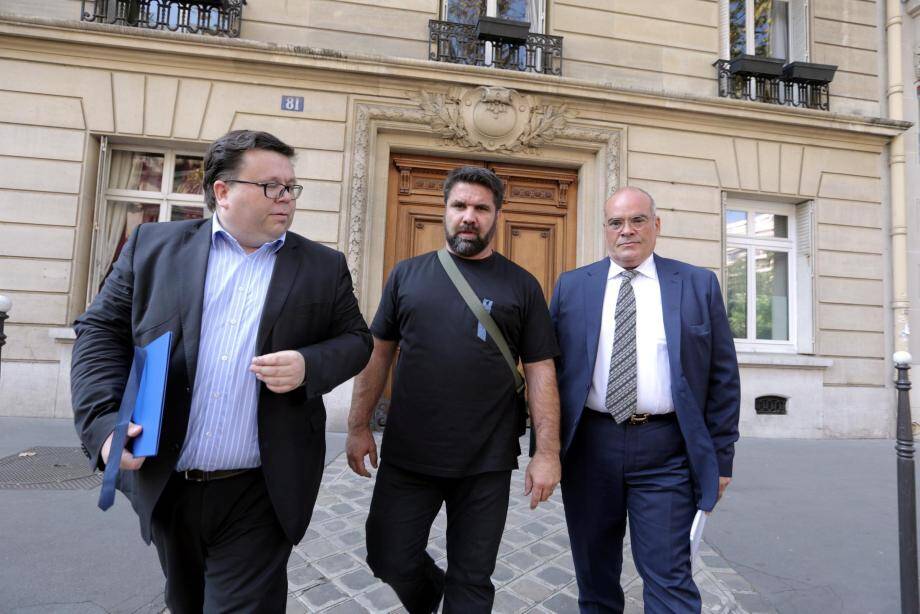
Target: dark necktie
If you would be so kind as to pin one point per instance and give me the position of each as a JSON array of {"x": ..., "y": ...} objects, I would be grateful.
[{"x": 621, "y": 382}]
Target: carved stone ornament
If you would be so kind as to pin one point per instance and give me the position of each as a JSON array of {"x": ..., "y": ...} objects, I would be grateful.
[{"x": 494, "y": 119}]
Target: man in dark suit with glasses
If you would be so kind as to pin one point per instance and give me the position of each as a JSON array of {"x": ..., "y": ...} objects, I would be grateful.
[{"x": 263, "y": 323}]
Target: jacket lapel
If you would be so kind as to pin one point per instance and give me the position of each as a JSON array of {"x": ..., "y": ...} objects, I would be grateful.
[
  {"x": 287, "y": 265},
  {"x": 594, "y": 288},
  {"x": 192, "y": 265},
  {"x": 670, "y": 282}
]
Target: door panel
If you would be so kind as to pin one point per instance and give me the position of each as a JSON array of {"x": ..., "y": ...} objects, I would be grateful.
[
  {"x": 424, "y": 227},
  {"x": 532, "y": 242}
]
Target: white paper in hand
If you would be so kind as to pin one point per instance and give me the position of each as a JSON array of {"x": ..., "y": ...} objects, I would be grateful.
[{"x": 696, "y": 532}]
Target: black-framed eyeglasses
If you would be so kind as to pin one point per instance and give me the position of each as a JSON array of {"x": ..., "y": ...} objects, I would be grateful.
[{"x": 273, "y": 189}]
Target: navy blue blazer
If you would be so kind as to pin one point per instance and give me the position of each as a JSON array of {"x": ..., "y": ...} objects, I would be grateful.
[{"x": 705, "y": 386}]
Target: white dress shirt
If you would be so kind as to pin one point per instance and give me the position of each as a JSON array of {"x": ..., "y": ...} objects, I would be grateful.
[
  {"x": 653, "y": 370},
  {"x": 223, "y": 430}
]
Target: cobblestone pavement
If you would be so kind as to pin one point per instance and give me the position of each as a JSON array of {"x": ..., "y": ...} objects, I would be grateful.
[{"x": 534, "y": 572}]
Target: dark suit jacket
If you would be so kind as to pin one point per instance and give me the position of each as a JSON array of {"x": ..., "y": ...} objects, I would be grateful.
[
  {"x": 705, "y": 386},
  {"x": 157, "y": 285}
]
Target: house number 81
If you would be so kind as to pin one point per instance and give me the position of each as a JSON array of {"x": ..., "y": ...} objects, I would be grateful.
[{"x": 292, "y": 103}]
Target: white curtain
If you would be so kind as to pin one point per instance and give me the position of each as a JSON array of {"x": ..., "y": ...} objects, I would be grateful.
[
  {"x": 779, "y": 29},
  {"x": 536, "y": 15},
  {"x": 114, "y": 218},
  {"x": 798, "y": 17}
]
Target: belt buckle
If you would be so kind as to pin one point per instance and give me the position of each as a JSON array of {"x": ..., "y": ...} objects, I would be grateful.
[
  {"x": 187, "y": 475},
  {"x": 638, "y": 419}
]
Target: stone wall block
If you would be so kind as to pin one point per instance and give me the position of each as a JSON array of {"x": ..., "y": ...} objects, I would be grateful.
[
  {"x": 851, "y": 343},
  {"x": 701, "y": 253},
  {"x": 847, "y": 264},
  {"x": 672, "y": 168},
  {"x": 129, "y": 91},
  {"x": 38, "y": 208},
  {"x": 41, "y": 142},
  {"x": 317, "y": 225},
  {"x": 28, "y": 241},
  {"x": 768, "y": 156},
  {"x": 851, "y": 291},
  {"x": 92, "y": 87},
  {"x": 192, "y": 100},
  {"x": 31, "y": 173},
  {"x": 312, "y": 164},
  {"x": 296, "y": 132},
  {"x": 41, "y": 110},
  {"x": 851, "y": 238},
  {"x": 34, "y": 275},
  {"x": 748, "y": 161},
  {"x": 856, "y": 372},
  {"x": 160, "y": 105}
]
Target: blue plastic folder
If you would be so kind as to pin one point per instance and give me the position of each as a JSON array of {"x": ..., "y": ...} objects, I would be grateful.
[
  {"x": 142, "y": 401},
  {"x": 151, "y": 394}
]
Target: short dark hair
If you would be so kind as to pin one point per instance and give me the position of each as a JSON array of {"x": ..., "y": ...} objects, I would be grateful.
[
  {"x": 479, "y": 176},
  {"x": 226, "y": 154}
]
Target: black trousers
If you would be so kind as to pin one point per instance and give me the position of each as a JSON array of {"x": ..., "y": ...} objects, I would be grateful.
[
  {"x": 221, "y": 546},
  {"x": 403, "y": 508}
]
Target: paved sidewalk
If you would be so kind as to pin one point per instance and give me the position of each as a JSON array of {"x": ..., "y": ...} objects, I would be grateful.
[
  {"x": 534, "y": 572},
  {"x": 53, "y": 543}
]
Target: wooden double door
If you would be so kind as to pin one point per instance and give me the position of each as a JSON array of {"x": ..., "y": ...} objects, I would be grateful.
[{"x": 537, "y": 225}]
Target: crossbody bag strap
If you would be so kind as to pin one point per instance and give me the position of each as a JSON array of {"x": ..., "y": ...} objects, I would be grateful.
[{"x": 473, "y": 302}]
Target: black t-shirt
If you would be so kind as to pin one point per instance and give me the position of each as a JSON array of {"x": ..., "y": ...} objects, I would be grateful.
[{"x": 452, "y": 410}]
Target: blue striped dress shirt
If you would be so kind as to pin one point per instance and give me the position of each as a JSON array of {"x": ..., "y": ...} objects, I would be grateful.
[{"x": 223, "y": 432}]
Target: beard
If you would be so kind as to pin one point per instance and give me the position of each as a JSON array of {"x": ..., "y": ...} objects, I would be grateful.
[{"x": 468, "y": 247}]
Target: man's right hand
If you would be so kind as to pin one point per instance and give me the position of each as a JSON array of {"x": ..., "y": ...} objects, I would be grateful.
[
  {"x": 360, "y": 443},
  {"x": 127, "y": 459}
]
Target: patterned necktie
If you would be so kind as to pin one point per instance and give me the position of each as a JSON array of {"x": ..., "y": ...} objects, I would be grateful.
[{"x": 621, "y": 382}]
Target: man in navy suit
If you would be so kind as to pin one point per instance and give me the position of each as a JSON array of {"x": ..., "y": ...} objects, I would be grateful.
[{"x": 649, "y": 387}]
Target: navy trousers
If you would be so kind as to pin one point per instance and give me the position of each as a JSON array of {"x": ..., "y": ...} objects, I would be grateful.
[{"x": 613, "y": 471}]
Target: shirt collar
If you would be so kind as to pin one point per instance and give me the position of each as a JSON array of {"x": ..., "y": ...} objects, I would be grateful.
[
  {"x": 647, "y": 268},
  {"x": 218, "y": 230}
]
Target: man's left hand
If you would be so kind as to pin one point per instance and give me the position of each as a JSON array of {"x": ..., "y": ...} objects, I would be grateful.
[
  {"x": 281, "y": 371},
  {"x": 543, "y": 473},
  {"x": 723, "y": 484}
]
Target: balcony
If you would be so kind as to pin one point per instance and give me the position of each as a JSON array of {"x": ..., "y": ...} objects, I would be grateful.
[
  {"x": 470, "y": 44},
  {"x": 215, "y": 17},
  {"x": 797, "y": 84}
]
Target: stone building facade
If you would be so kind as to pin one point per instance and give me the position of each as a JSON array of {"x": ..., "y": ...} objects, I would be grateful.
[{"x": 795, "y": 206}]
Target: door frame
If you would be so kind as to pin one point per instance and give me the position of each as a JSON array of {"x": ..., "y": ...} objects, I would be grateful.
[{"x": 596, "y": 152}]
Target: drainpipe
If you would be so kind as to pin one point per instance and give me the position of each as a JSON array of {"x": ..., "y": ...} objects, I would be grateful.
[{"x": 900, "y": 300}]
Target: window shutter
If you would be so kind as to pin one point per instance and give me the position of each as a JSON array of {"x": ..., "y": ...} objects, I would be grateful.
[
  {"x": 805, "y": 277},
  {"x": 798, "y": 31},
  {"x": 724, "y": 51},
  {"x": 99, "y": 214}
]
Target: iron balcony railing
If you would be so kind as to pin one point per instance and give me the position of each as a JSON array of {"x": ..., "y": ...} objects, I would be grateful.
[
  {"x": 215, "y": 17},
  {"x": 793, "y": 92},
  {"x": 458, "y": 43}
]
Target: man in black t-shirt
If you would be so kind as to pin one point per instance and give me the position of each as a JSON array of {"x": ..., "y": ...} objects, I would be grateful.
[{"x": 452, "y": 429}]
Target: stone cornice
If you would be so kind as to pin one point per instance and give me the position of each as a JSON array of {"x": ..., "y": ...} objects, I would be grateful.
[{"x": 224, "y": 50}]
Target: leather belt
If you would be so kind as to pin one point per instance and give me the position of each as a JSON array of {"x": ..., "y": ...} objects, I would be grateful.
[
  {"x": 637, "y": 419},
  {"x": 197, "y": 475},
  {"x": 643, "y": 418}
]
